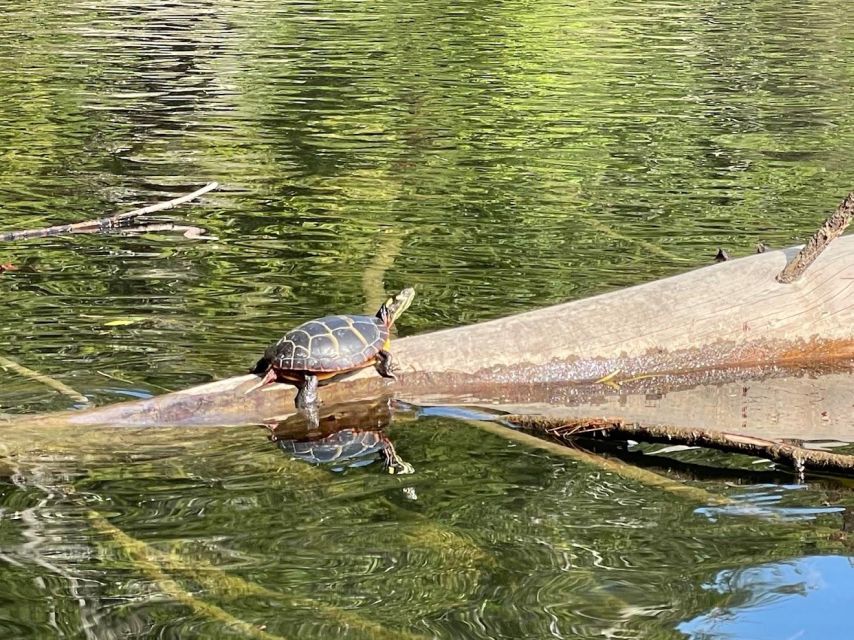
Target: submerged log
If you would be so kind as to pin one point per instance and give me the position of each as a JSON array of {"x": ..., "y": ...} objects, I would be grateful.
[{"x": 708, "y": 325}]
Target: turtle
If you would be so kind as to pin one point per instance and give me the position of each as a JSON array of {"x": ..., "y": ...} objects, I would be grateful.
[
  {"x": 346, "y": 448},
  {"x": 328, "y": 347}
]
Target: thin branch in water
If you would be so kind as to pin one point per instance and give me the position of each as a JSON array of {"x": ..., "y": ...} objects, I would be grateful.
[
  {"x": 644, "y": 244},
  {"x": 617, "y": 467},
  {"x": 105, "y": 224},
  {"x": 155, "y": 563},
  {"x": 139, "y": 554},
  {"x": 56, "y": 385},
  {"x": 831, "y": 229},
  {"x": 799, "y": 458}
]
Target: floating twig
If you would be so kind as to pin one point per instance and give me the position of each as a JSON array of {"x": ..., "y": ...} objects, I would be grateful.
[
  {"x": 185, "y": 230},
  {"x": 104, "y": 224},
  {"x": 54, "y": 384},
  {"x": 831, "y": 228}
]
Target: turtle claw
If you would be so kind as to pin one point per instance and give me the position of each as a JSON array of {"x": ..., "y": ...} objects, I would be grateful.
[
  {"x": 400, "y": 468},
  {"x": 394, "y": 465},
  {"x": 386, "y": 366}
]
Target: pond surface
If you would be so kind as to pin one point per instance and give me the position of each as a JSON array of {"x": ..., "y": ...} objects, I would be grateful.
[{"x": 498, "y": 157}]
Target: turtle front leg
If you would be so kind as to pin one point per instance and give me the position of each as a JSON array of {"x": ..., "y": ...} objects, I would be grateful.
[
  {"x": 386, "y": 365},
  {"x": 306, "y": 401},
  {"x": 392, "y": 462}
]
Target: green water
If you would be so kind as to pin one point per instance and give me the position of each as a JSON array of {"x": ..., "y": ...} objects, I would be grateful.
[{"x": 498, "y": 157}]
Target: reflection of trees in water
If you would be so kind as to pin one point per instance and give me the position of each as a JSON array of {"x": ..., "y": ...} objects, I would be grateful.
[{"x": 159, "y": 79}]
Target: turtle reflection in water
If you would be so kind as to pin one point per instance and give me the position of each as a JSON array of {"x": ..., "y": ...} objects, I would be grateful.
[{"x": 350, "y": 436}]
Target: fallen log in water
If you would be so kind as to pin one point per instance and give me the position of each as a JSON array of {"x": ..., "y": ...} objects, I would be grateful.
[{"x": 705, "y": 325}]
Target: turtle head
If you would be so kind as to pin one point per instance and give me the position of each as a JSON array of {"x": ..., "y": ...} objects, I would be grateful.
[{"x": 394, "y": 306}]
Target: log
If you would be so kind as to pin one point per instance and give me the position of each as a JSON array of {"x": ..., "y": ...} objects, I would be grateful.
[
  {"x": 727, "y": 322},
  {"x": 832, "y": 228}
]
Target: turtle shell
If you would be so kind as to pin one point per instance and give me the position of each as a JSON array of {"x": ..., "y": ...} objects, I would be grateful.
[{"x": 329, "y": 344}]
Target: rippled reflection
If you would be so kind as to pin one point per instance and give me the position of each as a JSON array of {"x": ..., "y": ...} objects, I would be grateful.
[
  {"x": 347, "y": 436},
  {"x": 147, "y": 529}
]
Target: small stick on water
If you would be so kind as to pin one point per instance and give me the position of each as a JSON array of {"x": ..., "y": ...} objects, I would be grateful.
[
  {"x": 56, "y": 385},
  {"x": 831, "y": 229},
  {"x": 104, "y": 224}
]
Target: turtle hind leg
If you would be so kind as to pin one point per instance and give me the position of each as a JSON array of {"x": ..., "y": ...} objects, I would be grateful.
[
  {"x": 306, "y": 401},
  {"x": 386, "y": 366}
]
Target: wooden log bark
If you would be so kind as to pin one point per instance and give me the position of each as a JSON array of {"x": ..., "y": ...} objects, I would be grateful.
[
  {"x": 832, "y": 228},
  {"x": 708, "y": 324}
]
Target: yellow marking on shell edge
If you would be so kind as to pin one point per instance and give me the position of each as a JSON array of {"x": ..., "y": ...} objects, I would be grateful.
[
  {"x": 286, "y": 376},
  {"x": 387, "y": 344}
]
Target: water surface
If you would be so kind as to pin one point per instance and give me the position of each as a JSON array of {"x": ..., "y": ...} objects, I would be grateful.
[{"x": 498, "y": 157}]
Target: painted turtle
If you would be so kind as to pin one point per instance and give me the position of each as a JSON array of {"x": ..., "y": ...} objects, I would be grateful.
[{"x": 327, "y": 347}]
